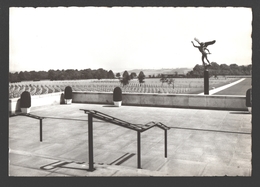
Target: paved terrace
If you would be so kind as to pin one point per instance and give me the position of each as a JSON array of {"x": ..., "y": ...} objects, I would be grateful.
[{"x": 200, "y": 142}]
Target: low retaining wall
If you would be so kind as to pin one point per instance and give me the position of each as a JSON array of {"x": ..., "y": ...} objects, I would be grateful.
[
  {"x": 36, "y": 101},
  {"x": 219, "y": 102}
]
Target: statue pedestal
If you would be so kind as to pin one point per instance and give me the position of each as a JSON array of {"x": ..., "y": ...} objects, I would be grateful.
[{"x": 206, "y": 82}]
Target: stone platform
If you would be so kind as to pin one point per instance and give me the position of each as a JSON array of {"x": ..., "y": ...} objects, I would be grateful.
[{"x": 200, "y": 142}]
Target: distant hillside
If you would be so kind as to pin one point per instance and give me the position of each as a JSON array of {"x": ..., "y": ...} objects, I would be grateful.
[{"x": 155, "y": 72}]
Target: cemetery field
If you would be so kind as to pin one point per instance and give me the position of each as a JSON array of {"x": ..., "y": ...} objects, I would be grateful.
[{"x": 151, "y": 85}]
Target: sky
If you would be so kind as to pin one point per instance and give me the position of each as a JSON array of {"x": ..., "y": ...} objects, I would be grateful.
[{"x": 126, "y": 38}]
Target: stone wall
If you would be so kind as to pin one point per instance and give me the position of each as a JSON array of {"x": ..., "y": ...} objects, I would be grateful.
[
  {"x": 222, "y": 102},
  {"x": 219, "y": 102}
]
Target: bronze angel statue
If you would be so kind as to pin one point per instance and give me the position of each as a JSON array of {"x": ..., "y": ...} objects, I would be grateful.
[{"x": 203, "y": 49}]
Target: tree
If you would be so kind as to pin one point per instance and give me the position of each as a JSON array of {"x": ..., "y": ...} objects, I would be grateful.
[
  {"x": 118, "y": 75},
  {"x": 198, "y": 70},
  {"x": 141, "y": 77},
  {"x": 249, "y": 69},
  {"x": 171, "y": 81},
  {"x": 125, "y": 74},
  {"x": 34, "y": 75},
  {"x": 59, "y": 75},
  {"x": 190, "y": 74},
  {"x": 102, "y": 73},
  {"x": 27, "y": 75},
  {"x": 233, "y": 65},
  {"x": 110, "y": 75},
  {"x": 234, "y": 69},
  {"x": 215, "y": 66},
  {"x": 98, "y": 75},
  {"x": 125, "y": 79},
  {"x": 69, "y": 73},
  {"x": 163, "y": 79},
  {"x": 14, "y": 77},
  {"x": 133, "y": 75},
  {"x": 225, "y": 69},
  {"x": 42, "y": 75},
  {"x": 214, "y": 69},
  {"x": 51, "y": 74},
  {"x": 21, "y": 75},
  {"x": 87, "y": 74},
  {"x": 24, "y": 75},
  {"x": 77, "y": 74}
]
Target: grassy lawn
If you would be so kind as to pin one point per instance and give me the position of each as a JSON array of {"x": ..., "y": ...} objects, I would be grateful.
[{"x": 238, "y": 89}]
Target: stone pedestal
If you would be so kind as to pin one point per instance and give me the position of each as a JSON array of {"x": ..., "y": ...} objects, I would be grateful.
[
  {"x": 118, "y": 103},
  {"x": 206, "y": 82}
]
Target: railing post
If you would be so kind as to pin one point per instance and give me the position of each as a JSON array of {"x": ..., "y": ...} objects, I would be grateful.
[
  {"x": 40, "y": 130},
  {"x": 90, "y": 142},
  {"x": 138, "y": 150},
  {"x": 165, "y": 143}
]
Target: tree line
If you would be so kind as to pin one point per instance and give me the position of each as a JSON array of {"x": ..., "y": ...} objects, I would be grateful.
[
  {"x": 70, "y": 74},
  {"x": 223, "y": 69}
]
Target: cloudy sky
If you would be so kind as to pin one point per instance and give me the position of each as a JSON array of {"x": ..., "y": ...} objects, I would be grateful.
[{"x": 125, "y": 38}]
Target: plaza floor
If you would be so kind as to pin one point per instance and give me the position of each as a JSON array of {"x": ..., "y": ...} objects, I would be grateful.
[{"x": 199, "y": 142}]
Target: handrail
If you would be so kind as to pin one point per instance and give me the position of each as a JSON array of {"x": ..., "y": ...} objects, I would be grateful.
[
  {"x": 136, "y": 127},
  {"x": 122, "y": 123},
  {"x": 35, "y": 117},
  {"x": 29, "y": 115},
  {"x": 99, "y": 115}
]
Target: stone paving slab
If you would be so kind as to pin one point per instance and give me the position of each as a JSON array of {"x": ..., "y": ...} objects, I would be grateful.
[{"x": 200, "y": 143}]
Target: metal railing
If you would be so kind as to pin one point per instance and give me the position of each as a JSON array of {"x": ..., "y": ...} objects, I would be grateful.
[
  {"x": 35, "y": 117},
  {"x": 139, "y": 128},
  {"x": 136, "y": 127}
]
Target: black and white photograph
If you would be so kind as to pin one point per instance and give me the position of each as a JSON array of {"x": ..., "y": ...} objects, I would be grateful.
[{"x": 127, "y": 91}]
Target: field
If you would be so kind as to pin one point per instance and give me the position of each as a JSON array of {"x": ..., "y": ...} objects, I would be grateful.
[
  {"x": 181, "y": 86},
  {"x": 238, "y": 89}
]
